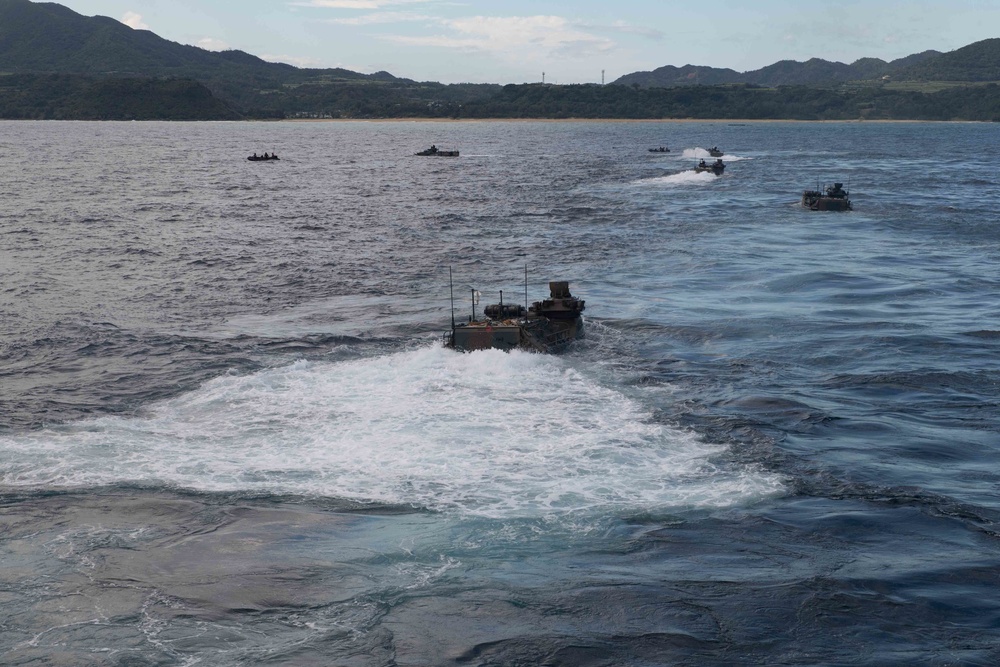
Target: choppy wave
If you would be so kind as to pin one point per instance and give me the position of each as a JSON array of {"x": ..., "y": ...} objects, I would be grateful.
[{"x": 202, "y": 363}]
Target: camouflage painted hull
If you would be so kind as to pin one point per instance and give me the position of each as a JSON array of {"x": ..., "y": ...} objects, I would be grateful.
[
  {"x": 816, "y": 201},
  {"x": 548, "y": 326},
  {"x": 437, "y": 153},
  {"x": 535, "y": 335},
  {"x": 716, "y": 169}
]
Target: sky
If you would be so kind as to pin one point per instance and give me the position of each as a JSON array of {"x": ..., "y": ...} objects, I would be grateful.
[{"x": 564, "y": 41}]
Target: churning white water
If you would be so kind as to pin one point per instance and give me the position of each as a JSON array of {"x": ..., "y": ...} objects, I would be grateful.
[{"x": 491, "y": 434}]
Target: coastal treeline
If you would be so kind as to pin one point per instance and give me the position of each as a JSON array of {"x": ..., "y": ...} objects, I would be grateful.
[
  {"x": 74, "y": 97},
  {"x": 979, "y": 103},
  {"x": 66, "y": 96}
]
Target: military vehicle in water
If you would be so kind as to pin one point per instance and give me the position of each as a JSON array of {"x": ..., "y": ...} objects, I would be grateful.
[
  {"x": 716, "y": 167},
  {"x": 715, "y": 152},
  {"x": 835, "y": 198},
  {"x": 547, "y": 326},
  {"x": 435, "y": 151}
]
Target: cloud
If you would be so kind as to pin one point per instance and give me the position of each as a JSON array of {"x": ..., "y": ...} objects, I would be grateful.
[
  {"x": 212, "y": 44},
  {"x": 622, "y": 26},
  {"x": 298, "y": 61},
  {"x": 356, "y": 4},
  {"x": 382, "y": 17},
  {"x": 134, "y": 21},
  {"x": 515, "y": 38}
]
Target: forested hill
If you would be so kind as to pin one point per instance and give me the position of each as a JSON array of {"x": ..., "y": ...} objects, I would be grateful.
[
  {"x": 981, "y": 103},
  {"x": 975, "y": 62},
  {"x": 55, "y": 63},
  {"x": 83, "y": 97},
  {"x": 48, "y": 37},
  {"x": 813, "y": 72}
]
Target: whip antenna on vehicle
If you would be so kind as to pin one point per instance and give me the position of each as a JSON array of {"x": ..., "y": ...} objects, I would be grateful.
[{"x": 451, "y": 288}]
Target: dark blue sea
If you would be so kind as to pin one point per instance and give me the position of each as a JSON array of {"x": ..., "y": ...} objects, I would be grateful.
[{"x": 230, "y": 434}]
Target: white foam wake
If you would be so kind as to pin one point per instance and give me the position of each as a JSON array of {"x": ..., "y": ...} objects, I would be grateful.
[
  {"x": 703, "y": 154},
  {"x": 489, "y": 433},
  {"x": 689, "y": 177}
]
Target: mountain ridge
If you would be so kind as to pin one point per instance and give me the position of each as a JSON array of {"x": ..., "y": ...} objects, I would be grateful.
[
  {"x": 41, "y": 39},
  {"x": 37, "y": 37},
  {"x": 976, "y": 62},
  {"x": 815, "y": 71}
]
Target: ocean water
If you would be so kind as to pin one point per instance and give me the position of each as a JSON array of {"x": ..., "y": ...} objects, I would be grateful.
[{"x": 230, "y": 435}]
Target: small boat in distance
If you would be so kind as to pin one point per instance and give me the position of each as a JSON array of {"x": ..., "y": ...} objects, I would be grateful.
[
  {"x": 547, "y": 326},
  {"x": 716, "y": 167},
  {"x": 659, "y": 149},
  {"x": 433, "y": 150},
  {"x": 715, "y": 152},
  {"x": 834, "y": 198},
  {"x": 262, "y": 158}
]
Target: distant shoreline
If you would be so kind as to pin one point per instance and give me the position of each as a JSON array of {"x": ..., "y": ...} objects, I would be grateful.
[
  {"x": 727, "y": 121},
  {"x": 678, "y": 121}
]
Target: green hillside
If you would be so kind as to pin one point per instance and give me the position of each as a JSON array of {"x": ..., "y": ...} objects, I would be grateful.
[
  {"x": 739, "y": 102},
  {"x": 975, "y": 62},
  {"x": 813, "y": 72},
  {"x": 55, "y": 63},
  {"x": 49, "y": 38},
  {"x": 81, "y": 97}
]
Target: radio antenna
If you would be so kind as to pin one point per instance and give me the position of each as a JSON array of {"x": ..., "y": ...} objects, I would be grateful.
[{"x": 451, "y": 288}]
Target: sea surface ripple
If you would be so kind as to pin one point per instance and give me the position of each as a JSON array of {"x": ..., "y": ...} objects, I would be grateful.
[{"x": 229, "y": 433}]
